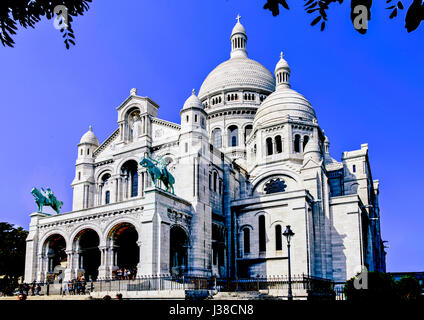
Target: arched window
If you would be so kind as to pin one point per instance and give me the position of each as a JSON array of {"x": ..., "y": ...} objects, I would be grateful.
[
  {"x": 268, "y": 146},
  {"x": 129, "y": 169},
  {"x": 262, "y": 235},
  {"x": 88, "y": 151},
  {"x": 297, "y": 143},
  {"x": 233, "y": 136},
  {"x": 210, "y": 181},
  {"x": 354, "y": 168},
  {"x": 305, "y": 141},
  {"x": 247, "y": 131},
  {"x": 107, "y": 197},
  {"x": 278, "y": 144},
  {"x": 105, "y": 177},
  {"x": 278, "y": 238},
  {"x": 217, "y": 138},
  {"x": 215, "y": 180},
  {"x": 195, "y": 118},
  {"x": 246, "y": 240}
]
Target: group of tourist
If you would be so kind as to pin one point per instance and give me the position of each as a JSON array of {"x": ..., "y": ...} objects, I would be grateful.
[
  {"x": 25, "y": 288},
  {"x": 73, "y": 287},
  {"x": 125, "y": 274}
]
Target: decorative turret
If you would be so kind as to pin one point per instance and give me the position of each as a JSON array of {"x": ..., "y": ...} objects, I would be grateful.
[
  {"x": 193, "y": 115},
  {"x": 83, "y": 183},
  {"x": 88, "y": 144},
  {"x": 312, "y": 151},
  {"x": 282, "y": 73},
  {"x": 238, "y": 40}
]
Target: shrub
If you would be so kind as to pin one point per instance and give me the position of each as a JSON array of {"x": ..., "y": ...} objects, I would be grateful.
[
  {"x": 408, "y": 288},
  {"x": 381, "y": 286}
]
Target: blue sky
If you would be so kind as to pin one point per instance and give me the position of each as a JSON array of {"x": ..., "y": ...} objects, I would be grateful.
[{"x": 365, "y": 89}]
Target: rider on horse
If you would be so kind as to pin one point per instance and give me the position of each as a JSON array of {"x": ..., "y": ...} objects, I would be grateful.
[{"x": 162, "y": 164}]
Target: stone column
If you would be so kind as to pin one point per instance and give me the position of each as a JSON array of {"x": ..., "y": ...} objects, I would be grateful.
[
  {"x": 117, "y": 189},
  {"x": 140, "y": 184},
  {"x": 103, "y": 268},
  {"x": 41, "y": 267},
  {"x": 139, "y": 264},
  {"x": 69, "y": 268}
]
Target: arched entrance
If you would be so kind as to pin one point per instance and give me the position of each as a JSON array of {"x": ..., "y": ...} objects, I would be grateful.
[
  {"x": 178, "y": 251},
  {"x": 55, "y": 252},
  {"x": 87, "y": 243},
  {"x": 124, "y": 238}
]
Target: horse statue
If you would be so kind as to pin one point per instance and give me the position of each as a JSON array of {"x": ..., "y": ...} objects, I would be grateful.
[
  {"x": 158, "y": 172},
  {"x": 46, "y": 198}
]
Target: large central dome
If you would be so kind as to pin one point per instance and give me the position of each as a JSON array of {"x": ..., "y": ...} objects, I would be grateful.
[{"x": 239, "y": 72}]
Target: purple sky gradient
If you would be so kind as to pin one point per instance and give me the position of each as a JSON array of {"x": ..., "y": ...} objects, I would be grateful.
[{"x": 365, "y": 89}]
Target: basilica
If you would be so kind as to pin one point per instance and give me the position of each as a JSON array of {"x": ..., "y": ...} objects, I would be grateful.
[{"x": 248, "y": 159}]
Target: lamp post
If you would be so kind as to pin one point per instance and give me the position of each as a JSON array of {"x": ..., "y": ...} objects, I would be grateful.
[{"x": 288, "y": 233}]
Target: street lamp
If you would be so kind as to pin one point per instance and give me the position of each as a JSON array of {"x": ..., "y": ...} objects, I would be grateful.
[{"x": 288, "y": 233}]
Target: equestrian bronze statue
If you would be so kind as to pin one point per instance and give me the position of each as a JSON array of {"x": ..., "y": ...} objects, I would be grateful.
[
  {"x": 158, "y": 171},
  {"x": 46, "y": 198}
]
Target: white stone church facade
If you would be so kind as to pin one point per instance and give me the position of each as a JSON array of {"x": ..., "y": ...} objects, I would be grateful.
[{"x": 248, "y": 157}]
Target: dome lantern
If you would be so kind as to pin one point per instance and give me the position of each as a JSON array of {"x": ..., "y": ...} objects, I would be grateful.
[
  {"x": 282, "y": 73},
  {"x": 238, "y": 40}
]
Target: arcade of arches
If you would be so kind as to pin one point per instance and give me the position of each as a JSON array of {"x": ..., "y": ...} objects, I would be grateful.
[{"x": 90, "y": 259}]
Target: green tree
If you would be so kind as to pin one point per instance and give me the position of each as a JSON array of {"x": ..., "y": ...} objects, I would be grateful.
[
  {"x": 12, "y": 250},
  {"x": 318, "y": 8},
  {"x": 27, "y": 13},
  {"x": 380, "y": 286}
]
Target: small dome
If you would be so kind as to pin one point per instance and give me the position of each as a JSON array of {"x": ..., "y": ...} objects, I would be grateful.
[
  {"x": 312, "y": 151},
  {"x": 238, "y": 28},
  {"x": 193, "y": 102},
  {"x": 282, "y": 64},
  {"x": 89, "y": 137},
  {"x": 283, "y": 103},
  {"x": 311, "y": 147}
]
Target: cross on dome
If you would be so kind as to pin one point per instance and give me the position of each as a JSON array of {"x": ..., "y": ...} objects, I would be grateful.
[
  {"x": 238, "y": 18},
  {"x": 281, "y": 55},
  {"x": 193, "y": 92}
]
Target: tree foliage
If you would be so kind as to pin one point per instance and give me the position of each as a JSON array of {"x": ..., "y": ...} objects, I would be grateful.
[
  {"x": 318, "y": 8},
  {"x": 409, "y": 288},
  {"x": 27, "y": 13},
  {"x": 12, "y": 250},
  {"x": 382, "y": 287}
]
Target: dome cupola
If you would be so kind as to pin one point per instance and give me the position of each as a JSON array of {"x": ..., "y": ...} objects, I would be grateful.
[
  {"x": 239, "y": 72},
  {"x": 193, "y": 102},
  {"x": 284, "y": 102},
  {"x": 312, "y": 151},
  {"x": 89, "y": 138}
]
